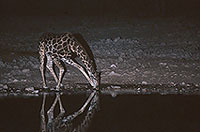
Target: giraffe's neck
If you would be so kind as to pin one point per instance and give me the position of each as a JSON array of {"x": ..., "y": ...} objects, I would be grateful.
[
  {"x": 88, "y": 62},
  {"x": 85, "y": 55}
]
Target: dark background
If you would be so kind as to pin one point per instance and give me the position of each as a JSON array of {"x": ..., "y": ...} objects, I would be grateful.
[
  {"x": 139, "y": 8},
  {"x": 133, "y": 41}
]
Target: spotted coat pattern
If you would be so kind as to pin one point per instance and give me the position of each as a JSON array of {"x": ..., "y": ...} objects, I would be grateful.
[{"x": 59, "y": 48}]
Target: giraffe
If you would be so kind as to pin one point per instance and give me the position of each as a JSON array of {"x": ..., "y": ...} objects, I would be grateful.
[{"x": 65, "y": 48}]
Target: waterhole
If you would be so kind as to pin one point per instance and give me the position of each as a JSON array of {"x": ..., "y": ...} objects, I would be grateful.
[{"x": 101, "y": 113}]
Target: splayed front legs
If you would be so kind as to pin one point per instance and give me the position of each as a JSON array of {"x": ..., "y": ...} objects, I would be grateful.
[
  {"x": 82, "y": 69},
  {"x": 60, "y": 65}
]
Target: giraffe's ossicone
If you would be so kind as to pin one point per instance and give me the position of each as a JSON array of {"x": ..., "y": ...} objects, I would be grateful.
[{"x": 65, "y": 48}]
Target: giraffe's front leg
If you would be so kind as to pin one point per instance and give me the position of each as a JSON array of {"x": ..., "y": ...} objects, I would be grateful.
[{"x": 81, "y": 68}]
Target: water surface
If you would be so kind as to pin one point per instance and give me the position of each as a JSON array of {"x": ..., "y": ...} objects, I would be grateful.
[{"x": 123, "y": 113}]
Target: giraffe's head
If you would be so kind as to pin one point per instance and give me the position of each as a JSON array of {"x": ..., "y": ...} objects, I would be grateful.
[{"x": 96, "y": 77}]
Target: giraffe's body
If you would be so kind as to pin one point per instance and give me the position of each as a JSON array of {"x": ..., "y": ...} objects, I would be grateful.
[{"x": 59, "y": 48}]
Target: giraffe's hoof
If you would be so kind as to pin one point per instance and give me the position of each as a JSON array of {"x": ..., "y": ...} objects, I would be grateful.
[
  {"x": 45, "y": 87},
  {"x": 58, "y": 88},
  {"x": 96, "y": 88}
]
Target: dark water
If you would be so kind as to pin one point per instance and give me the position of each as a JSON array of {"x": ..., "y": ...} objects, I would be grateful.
[{"x": 124, "y": 113}]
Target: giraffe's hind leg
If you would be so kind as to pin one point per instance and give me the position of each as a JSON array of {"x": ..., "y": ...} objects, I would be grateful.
[
  {"x": 43, "y": 67},
  {"x": 50, "y": 67},
  {"x": 61, "y": 67}
]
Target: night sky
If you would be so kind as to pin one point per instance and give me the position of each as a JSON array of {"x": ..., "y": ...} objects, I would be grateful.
[{"x": 140, "y": 8}]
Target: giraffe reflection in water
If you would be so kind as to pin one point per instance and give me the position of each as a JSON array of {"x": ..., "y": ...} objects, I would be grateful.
[{"x": 62, "y": 123}]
